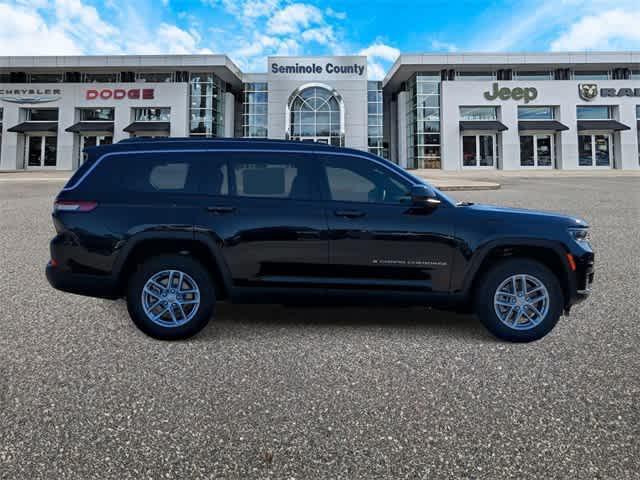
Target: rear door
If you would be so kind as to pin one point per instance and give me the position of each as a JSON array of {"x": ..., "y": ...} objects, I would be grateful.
[
  {"x": 378, "y": 240},
  {"x": 268, "y": 219}
]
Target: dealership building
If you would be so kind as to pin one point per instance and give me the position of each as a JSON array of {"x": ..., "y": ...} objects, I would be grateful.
[{"x": 453, "y": 111}]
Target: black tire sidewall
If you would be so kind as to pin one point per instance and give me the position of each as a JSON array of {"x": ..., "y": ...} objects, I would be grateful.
[
  {"x": 494, "y": 277},
  {"x": 167, "y": 262}
]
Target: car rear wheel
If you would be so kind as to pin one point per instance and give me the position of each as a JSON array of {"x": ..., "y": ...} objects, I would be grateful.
[
  {"x": 171, "y": 297},
  {"x": 519, "y": 300}
]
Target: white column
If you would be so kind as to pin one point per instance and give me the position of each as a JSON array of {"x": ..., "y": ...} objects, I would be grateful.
[
  {"x": 229, "y": 114},
  {"x": 568, "y": 150},
  {"x": 10, "y": 151},
  {"x": 66, "y": 155},
  {"x": 402, "y": 129},
  {"x": 626, "y": 155},
  {"x": 510, "y": 152}
]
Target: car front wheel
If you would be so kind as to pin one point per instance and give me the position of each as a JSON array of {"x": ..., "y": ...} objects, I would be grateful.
[
  {"x": 519, "y": 300},
  {"x": 171, "y": 297}
]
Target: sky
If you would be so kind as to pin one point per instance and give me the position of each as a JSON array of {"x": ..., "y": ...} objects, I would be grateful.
[{"x": 250, "y": 30}]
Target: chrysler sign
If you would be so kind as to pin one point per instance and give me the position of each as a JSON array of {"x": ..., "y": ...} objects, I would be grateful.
[
  {"x": 120, "y": 94},
  {"x": 30, "y": 95}
]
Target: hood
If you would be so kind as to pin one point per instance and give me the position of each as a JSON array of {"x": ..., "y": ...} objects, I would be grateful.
[{"x": 509, "y": 214}]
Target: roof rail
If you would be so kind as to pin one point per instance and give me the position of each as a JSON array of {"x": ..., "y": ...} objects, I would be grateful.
[{"x": 218, "y": 140}]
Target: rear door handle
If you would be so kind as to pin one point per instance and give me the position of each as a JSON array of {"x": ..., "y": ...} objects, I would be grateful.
[
  {"x": 220, "y": 210},
  {"x": 349, "y": 213}
]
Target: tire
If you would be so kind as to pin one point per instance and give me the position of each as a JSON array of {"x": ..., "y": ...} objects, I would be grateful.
[
  {"x": 488, "y": 303},
  {"x": 172, "y": 324}
]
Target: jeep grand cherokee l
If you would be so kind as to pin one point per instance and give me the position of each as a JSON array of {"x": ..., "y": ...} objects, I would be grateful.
[{"x": 176, "y": 225}]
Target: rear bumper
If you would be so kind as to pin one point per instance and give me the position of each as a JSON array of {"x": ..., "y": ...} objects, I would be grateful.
[{"x": 81, "y": 284}]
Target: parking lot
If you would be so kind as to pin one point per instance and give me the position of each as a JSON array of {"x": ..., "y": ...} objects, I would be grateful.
[{"x": 275, "y": 392}]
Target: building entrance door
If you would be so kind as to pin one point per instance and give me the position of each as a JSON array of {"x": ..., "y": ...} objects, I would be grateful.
[
  {"x": 479, "y": 150},
  {"x": 41, "y": 151}
]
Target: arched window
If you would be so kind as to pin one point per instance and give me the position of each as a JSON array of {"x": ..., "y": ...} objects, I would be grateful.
[{"x": 315, "y": 113}]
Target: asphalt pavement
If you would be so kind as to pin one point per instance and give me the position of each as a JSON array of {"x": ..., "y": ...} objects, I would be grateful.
[{"x": 327, "y": 393}]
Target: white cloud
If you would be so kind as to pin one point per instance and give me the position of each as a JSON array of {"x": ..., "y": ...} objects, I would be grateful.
[
  {"x": 25, "y": 32},
  {"x": 332, "y": 13},
  {"x": 613, "y": 29},
  {"x": 439, "y": 46},
  {"x": 321, "y": 35},
  {"x": 379, "y": 58},
  {"x": 293, "y": 18}
]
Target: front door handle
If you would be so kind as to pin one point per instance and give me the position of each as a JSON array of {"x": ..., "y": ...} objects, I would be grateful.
[
  {"x": 349, "y": 213},
  {"x": 220, "y": 210}
]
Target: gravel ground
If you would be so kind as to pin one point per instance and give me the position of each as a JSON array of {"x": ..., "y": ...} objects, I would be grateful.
[{"x": 274, "y": 392}]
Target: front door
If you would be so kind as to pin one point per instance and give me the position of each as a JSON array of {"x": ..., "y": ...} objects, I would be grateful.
[
  {"x": 41, "y": 151},
  {"x": 377, "y": 238},
  {"x": 261, "y": 208}
]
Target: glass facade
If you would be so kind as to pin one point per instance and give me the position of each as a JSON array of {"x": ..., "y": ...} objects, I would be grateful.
[
  {"x": 206, "y": 105},
  {"x": 375, "y": 139},
  {"x": 423, "y": 121},
  {"x": 315, "y": 115},
  {"x": 594, "y": 112},
  {"x": 42, "y": 114},
  {"x": 536, "y": 113},
  {"x": 478, "y": 113},
  {"x": 152, "y": 114},
  {"x": 96, "y": 114},
  {"x": 476, "y": 75},
  {"x": 592, "y": 75},
  {"x": 255, "y": 98},
  {"x": 533, "y": 75}
]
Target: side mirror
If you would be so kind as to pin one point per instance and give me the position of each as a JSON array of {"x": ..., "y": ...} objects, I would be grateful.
[{"x": 423, "y": 195}]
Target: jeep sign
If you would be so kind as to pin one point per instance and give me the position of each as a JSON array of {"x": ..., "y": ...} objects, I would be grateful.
[{"x": 517, "y": 93}]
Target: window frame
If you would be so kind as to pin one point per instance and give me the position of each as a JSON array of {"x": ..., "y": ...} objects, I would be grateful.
[{"x": 325, "y": 189}]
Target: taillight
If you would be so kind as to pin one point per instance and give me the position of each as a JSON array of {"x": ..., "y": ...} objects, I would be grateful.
[{"x": 73, "y": 206}]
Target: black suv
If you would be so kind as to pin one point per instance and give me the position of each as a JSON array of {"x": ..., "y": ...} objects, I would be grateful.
[{"x": 175, "y": 225}]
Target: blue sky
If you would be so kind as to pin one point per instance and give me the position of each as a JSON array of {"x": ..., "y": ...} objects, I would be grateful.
[{"x": 250, "y": 30}]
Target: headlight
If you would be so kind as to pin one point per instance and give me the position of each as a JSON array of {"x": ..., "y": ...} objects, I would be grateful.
[{"x": 580, "y": 235}]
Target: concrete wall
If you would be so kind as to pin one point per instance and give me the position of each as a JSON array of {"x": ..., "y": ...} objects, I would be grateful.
[{"x": 561, "y": 94}]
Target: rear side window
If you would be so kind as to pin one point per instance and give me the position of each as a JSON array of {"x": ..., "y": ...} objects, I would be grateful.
[{"x": 283, "y": 176}]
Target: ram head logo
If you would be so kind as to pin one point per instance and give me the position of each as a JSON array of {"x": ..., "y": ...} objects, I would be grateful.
[{"x": 588, "y": 91}]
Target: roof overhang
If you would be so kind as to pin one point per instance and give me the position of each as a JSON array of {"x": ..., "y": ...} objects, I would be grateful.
[
  {"x": 408, "y": 64},
  {"x": 27, "y": 127},
  {"x": 542, "y": 125},
  {"x": 483, "y": 125},
  {"x": 91, "y": 127},
  {"x": 221, "y": 65},
  {"x": 610, "y": 125},
  {"x": 147, "y": 127}
]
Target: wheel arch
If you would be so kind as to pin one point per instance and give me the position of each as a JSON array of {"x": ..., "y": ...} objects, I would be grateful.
[
  {"x": 206, "y": 251},
  {"x": 549, "y": 253}
]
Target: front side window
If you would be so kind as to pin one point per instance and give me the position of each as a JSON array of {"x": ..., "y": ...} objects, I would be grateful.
[
  {"x": 478, "y": 113},
  {"x": 355, "y": 180},
  {"x": 278, "y": 178},
  {"x": 594, "y": 112}
]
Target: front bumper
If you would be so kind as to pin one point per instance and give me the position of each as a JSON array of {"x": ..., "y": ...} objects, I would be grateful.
[{"x": 81, "y": 284}]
